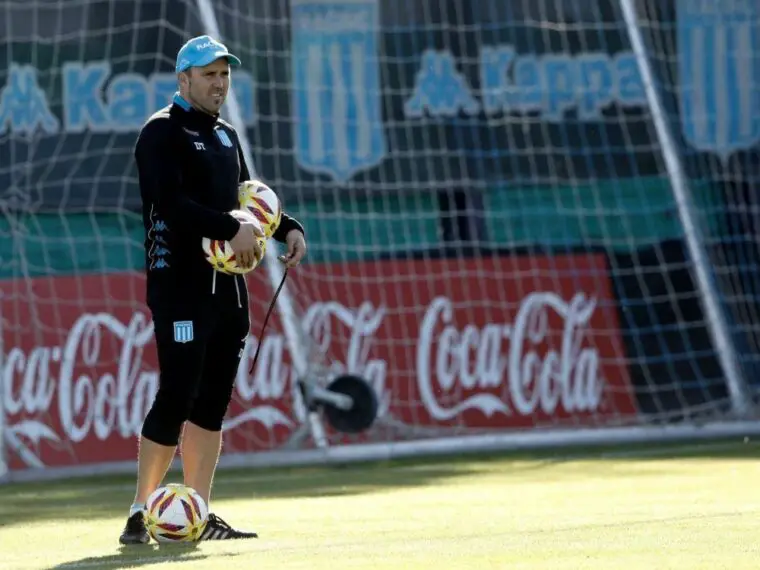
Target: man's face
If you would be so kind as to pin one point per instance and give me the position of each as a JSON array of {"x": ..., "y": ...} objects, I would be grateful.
[{"x": 208, "y": 86}]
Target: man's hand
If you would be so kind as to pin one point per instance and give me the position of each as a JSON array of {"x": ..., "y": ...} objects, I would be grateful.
[
  {"x": 296, "y": 248},
  {"x": 245, "y": 244}
]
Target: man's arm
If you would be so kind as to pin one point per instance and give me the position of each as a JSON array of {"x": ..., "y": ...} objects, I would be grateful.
[
  {"x": 160, "y": 175},
  {"x": 287, "y": 223}
]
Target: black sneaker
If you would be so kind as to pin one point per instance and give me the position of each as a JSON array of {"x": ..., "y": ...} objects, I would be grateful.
[
  {"x": 217, "y": 529},
  {"x": 134, "y": 531}
]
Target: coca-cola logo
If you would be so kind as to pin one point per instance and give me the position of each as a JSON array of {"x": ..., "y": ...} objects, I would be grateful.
[
  {"x": 59, "y": 381},
  {"x": 339, "y": 335},
  {"x": 51, "y": 379},
  {"x": 96, "y": 382},
  {"x": 360, "y": 326},
  {"x": 478, "y": 359}
]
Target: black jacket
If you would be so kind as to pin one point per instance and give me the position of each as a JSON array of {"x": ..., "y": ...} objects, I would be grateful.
[{"x": 189, "y": 165}]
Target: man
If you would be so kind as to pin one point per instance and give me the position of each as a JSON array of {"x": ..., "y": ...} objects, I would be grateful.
[{"x": 190, "y": 163}]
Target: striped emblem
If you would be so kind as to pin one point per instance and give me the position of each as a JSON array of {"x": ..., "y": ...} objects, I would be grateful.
[
  {"x": 719, "y": 70},
  {"x": 337, "y": 105},
  {"x": 183, "y": 331},
  {"x": 224, "y": 137}
]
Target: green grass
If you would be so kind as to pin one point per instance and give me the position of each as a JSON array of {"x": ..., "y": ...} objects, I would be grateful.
[{"x": 694, "y": 507}]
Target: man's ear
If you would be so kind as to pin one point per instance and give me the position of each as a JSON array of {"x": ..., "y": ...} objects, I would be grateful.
[{"x": 183, "y": 78}]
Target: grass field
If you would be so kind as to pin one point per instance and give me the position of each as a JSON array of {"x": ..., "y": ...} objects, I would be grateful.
[{"x": 681, "y": 507}]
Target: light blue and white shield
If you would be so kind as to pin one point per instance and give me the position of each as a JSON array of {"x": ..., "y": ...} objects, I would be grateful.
[
  {"x": 719, "y": 70},
  {"x": 337, "y": 103},
  {"x": 223, "y": 137},
  {"x": 183, "y": 331}
]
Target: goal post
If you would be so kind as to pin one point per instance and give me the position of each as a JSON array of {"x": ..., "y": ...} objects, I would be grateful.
[
  {"x": 740, "y": 397},
  {"x": 529, "y": 223}
]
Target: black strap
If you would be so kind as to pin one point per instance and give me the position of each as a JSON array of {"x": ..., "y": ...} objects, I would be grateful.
[{"x": 266, "y": 320}]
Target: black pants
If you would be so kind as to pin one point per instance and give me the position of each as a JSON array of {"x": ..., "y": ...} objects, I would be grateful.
[{"x": 199, "y": 348}]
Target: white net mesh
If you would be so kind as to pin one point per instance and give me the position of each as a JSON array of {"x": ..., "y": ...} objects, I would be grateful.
[{"x": 493, "y": 237}]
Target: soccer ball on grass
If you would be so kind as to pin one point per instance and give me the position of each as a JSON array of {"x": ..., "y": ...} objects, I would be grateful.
[{"x": 175, "y": 513}]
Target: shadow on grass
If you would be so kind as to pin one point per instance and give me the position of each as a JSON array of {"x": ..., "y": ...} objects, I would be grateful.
[
  {"x": 143, "y": 555},
  {"x": 106, "y": 497}
]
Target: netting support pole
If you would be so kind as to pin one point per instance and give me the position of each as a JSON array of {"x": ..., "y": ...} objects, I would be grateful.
[
  {"x": 298, "y": 348},
  {"x": 716, "y": 322}
]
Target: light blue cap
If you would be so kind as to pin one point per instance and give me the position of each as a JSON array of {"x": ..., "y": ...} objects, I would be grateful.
[{"x": 201, "y": 51}]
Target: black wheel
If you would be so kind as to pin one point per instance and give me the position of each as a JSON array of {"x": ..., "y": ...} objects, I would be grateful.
[{"x": 364, "y": 411}]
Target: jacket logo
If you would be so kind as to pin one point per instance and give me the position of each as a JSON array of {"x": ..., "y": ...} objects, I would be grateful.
[
  {"x": 224, "y": 138},
  {"x": 199, "y": 146}
]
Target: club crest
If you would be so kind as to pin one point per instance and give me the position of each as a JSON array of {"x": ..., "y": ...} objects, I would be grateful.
[
  {"x": 183, "y": 331},
  {"x": 223, "y": 137},
  {"x": 336, "y": 86},
  {"x": 719, "y": 71}
]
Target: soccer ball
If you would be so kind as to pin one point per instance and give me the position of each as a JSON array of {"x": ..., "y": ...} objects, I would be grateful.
[
  {"x": 175, "y": 513},
  {"x": 220, "y": 255},
  {"x": 263, "y": 203}
]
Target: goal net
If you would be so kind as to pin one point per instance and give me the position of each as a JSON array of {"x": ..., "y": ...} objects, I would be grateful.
[{"x": 495, "y": 239}]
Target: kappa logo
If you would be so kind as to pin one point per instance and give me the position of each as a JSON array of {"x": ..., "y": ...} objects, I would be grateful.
[
  {"x": 183, "y": 331},
  {"x": 719, "y": 70}
]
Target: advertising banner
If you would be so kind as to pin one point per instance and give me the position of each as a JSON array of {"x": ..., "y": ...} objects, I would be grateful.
[{"x": 518, "y": 342}]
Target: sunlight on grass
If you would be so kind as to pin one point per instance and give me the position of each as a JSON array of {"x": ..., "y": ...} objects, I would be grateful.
[{"x": 696, "y": 511}]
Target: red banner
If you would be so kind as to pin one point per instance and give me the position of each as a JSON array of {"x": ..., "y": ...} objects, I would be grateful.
[{"x": 484, "y": 343}]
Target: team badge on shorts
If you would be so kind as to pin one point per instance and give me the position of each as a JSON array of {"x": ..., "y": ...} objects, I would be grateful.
[{"x": 183, "y": 331}]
